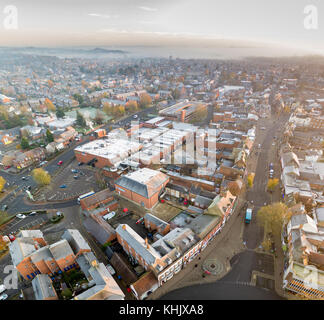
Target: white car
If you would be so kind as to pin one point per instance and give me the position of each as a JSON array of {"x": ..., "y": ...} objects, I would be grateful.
[
  {"x": 4, "y": 296},
  {"x": 110, "y": 269},
  {"x": 20, "y": 216},
  {"x": 109, "y": 215},
  {"x": 135, "y": 116}
]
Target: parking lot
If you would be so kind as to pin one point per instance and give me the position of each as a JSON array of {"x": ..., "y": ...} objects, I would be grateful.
[
  {"x": 15, "y": 225},
  {"x": 65, "y": 186}
]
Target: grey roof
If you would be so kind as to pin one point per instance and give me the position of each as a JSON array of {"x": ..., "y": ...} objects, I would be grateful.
[
  {"x": 60, "y": 249},
  {"x": 30, "y": 234},
  {"x": 43, "y": 288},
  {"x": 84, "y": 261},
  {"x": 97, "y": 231},
  {"x": 157, "y": 221},
  {"x": 133, "y": 185},
  {"x": 298, "y": 219},
  {"x": 128, "y": 236},
  {"x": 42, "y": 254},
  {"x": 75, "y": 240},
  {"x": 203, "y": 200},
  {"x": 203, "y": 224},
  {"x": 21, "y": 248},
  {"x": 104, "y": 284},
  {"x": 320, "y": 214}
]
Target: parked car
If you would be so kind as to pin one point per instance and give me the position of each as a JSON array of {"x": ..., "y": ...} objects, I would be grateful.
[
  {"x": 110, "y": 269},
  {"x": 4, "y": 296},
  {"x": 80, "y": 163},
  {"x": 76, "y": 177},
  {"x": 109, "y": 216},
  {"x": 139, "y": 220},
  {"x": 60, "y": 163},
  {"x": 74, "y": 171},
  {"x": 23, "y": 178},
  {"x": 135, "y": 116},
  {"x": 63, "y": 186},
  {"x": 20, "y": 216},
  {"x": 4, "y": 207},
  {"x": 11, "y": 237},
  {"x": 7, "y": 167},
  {"x": 33, "y": 213}
]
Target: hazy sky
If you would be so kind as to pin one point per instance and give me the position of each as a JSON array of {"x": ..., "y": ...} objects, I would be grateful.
[{"x": 141, "y": 22}]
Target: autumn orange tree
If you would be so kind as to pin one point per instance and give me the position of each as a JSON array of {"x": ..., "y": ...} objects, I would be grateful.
[
  {"x": 272, "y": 183},
  {"x": 49, "y": 104},
  {"x": 41, "y": 177},
  {"x": 2, "y": 183},
  {"x": 272, "y": 217},
  {"x": 131, "y": 106},
  {"x": 145, "y": 101},
  {"x": 250, "y": 179}
]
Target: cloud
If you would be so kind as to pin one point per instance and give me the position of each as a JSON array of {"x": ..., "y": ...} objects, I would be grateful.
[
  {"x": 148, "y": 9},
  {"x": 105, "y": 16}
]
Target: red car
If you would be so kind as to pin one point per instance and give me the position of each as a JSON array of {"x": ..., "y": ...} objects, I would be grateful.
[
  {"x": 11, "y": 237},
  {"x": 7, "y": 167},
  {"x": 60, "y": 163}
]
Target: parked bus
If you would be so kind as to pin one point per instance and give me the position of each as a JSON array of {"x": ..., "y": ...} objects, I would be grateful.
[
  {"x": 85, "y": 195},
  {"x": 248, "y": 215}
]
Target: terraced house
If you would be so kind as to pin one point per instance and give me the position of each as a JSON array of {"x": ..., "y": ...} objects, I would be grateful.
[{"x": 31, "y": 255}]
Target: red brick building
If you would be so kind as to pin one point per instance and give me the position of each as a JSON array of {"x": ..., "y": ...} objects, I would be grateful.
[{"x": 142, "y": 186}]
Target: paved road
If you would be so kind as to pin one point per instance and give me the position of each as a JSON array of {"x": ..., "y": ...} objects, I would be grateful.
[{"x": 236, "y": 284}]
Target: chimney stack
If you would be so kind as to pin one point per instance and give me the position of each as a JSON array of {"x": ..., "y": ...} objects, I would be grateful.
[{"x": 146, "y": 242}]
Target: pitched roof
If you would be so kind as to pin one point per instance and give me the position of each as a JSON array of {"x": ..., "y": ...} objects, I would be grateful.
[
  {"x": 75, "y": 239},
  {"x": 60, "y": 249},
  {"x": 144, "y": 182},
  {"x": 145, "y": 283},
  {"x": 43, "y": 288}
]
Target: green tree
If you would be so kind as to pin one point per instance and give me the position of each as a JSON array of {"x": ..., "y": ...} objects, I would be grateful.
[
  {"x": 49, "y": 136},
  {"x": 41, "y": 177},
  {"x": 80, "y": 121},
  {"x": 67, "y": 293},
  {"x": 78, "y": 98},
  {"x": 60, "y": 113},
  {"x": 24, "y": 143}
]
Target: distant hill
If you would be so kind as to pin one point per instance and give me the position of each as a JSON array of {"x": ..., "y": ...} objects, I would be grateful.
[{"x": 101, "y": 50}]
